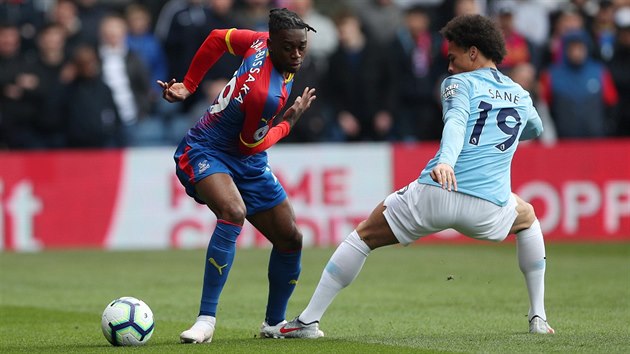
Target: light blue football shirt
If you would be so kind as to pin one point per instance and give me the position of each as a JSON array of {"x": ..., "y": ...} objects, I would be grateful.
[{"x": 485, "y": 115}]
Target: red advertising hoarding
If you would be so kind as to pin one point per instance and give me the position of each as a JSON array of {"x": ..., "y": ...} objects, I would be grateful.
[{"x": 121, "y": 199}]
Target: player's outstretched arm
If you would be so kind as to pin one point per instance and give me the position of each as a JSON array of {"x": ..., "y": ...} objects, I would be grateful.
[
  {"x": 173, "y": 91},
  {"x": 301, "y": 104}
]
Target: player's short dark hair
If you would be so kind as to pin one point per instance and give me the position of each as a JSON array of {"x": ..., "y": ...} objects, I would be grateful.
[
  {"x": 479, "y": 31},
  {"x": 284, "y": 19}
]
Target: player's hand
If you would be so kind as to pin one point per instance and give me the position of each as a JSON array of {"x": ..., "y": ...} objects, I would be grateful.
[
  {"x": 445, "y": 176},
  {"x": 301, "y": 104},
  {"x": 173, "y": 91}
]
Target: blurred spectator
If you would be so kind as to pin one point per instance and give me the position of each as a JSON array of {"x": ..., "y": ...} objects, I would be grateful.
[
  {"x": 603, "y": 30},
  {"x": 620, "y": 69},
  {"x": 516, "y": 45},
  {"x": 467, "y": 7},
  {"x": 19, "y": 101},
  {"x": 524, "y": 74},
  {"x": 447, "y": 9},
  {"x": 254, "y": 14},
  {"x": 142, "y": 41},
  {"x": 381, "y": 18},
  {"x": 28, "y": 16},
  {"x": 315, "y": 124},
  {"x": 564, "y": 21},
  {"x": 66, "y": 14},
  {"x": 49, "y": 63},
  {"x": 579, "y": 91},
  {"x": 586, "y": 9},
  {"x": 166, "y": 16},
  {"x": 182, "y": 27},
  {"x": 322, "y": 43},
  {"x": 91, "y": 13},
  {"x": 531, "y": 19},
  {"x": 125, "y": 74},
  {"x": 92, "y": 119},
  {"x": 417, "y": 66},
  {"x": 359, "y": 84},
  {"x": 222, "y": 16}
]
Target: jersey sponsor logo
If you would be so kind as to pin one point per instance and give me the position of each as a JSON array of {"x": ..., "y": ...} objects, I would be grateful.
[{"x": 449, "y": 91}]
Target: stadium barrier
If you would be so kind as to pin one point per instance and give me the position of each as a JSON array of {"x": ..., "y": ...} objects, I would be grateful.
[{"x": 131, "y": 199}]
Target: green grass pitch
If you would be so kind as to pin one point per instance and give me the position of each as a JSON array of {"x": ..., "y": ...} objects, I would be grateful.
[{"x": 421, "y": 299}]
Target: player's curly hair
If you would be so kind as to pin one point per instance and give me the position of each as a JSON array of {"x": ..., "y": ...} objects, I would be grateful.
[
  {"x": 284, "y": 19},
  {"x": 479, "y": 31}
]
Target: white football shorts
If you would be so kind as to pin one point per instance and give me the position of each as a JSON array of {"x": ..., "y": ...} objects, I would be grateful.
[{"x": 419, "y": 210}]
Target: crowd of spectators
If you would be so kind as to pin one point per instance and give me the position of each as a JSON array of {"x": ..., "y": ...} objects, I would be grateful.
[{"x": 81, "y": 73}]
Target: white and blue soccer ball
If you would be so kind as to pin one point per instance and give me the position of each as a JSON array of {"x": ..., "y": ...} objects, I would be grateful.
[{"x": 127, "y": 321}]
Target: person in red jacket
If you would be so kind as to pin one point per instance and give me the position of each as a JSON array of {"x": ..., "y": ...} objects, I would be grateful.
[{"x": 223, "y": 164}]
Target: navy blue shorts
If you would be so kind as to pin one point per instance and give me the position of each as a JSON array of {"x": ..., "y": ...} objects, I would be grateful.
[{"x": 259, "y": 188}]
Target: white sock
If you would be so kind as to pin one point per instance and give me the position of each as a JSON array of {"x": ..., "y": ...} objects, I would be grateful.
[
  {"x": 530, "y": 247},
  {"x": 204, "y": 323},
  {"x": 342, "y": 268}
]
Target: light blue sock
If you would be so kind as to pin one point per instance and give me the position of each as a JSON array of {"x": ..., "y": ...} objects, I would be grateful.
[
  {"x": 284, "y": 271},
  {"x": 219, "y": 258}
]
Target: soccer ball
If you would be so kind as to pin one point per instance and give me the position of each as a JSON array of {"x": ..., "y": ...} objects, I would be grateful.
[{"x": 127, "y": 321}]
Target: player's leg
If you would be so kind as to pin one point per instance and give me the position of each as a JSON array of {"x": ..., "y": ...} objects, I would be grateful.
[
  {"x": 342, "y": 268},
  {"x": 220, "y": 194},
  {"x": 392, "y": 221},
  {"x": 347, "y": 261},
  {"x": 530, "y": 247},
  {"x": 278, "y": 226}
]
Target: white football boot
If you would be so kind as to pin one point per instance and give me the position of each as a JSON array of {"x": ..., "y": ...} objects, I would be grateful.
[
  {"x": 201, "y": 332},
  {"x": 268, "y": 331},
  {"x": 540, "y": 326},
  {"x": 292, "y": 329}
]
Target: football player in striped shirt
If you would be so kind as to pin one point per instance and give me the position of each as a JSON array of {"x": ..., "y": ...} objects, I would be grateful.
[{"x": 222, "y": 160}]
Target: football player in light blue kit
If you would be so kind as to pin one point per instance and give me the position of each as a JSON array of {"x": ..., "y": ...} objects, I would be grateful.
[{"x": 466, "y": 186}]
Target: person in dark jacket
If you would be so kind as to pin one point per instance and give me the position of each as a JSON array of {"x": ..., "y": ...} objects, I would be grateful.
[
  {"x": 579, "y": 91},
  {"x": 418, "y": 65},
  {"x": 92, "y": 120},
  {"x": 359, "y": 84}
]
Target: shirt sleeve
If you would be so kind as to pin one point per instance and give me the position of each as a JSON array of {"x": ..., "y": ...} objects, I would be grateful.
[
  {"x": 218, "y": 42},
  {"x": 456, "y": 110},
  {"x": 273, "y": 136},
  {"x": 534, "y": 127}
]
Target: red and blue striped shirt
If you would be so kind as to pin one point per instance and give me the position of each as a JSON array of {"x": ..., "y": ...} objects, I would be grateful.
[{"x": 240, "y": 121}]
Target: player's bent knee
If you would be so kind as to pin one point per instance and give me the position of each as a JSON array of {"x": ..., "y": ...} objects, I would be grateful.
[
  {"x": 295, "y": 239},
  {"x": 525, "y": 218},
  {"x": 530, "y": 215},
  {"x": 232, "y": 213},
  {"x": 291, "y": 242}
]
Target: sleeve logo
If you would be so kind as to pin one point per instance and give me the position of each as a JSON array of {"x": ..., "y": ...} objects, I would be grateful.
[{"x": 449, "y": 91}]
